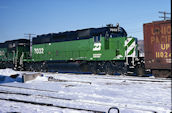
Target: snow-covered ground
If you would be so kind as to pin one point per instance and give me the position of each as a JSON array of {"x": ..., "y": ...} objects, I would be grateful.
[{"x": 78, "y": 93}]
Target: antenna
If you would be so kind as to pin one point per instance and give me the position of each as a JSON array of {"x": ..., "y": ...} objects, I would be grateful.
[{"x": 164, "y": 15}]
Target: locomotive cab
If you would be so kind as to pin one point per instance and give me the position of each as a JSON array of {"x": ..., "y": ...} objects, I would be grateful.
[{"x": 17, "y": 51}]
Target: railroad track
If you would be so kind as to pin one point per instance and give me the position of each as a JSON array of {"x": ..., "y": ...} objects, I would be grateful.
[
  {"x": 28, "y": 88},
  {"x": 44, "y": 104},
  {"x": 110, "y": 77},
  {"x": 58, "y": 106},
  {"x": 51, "y": 105},
  {"x": 122, "y": 80},
  {"x": 57, "y": 98}
]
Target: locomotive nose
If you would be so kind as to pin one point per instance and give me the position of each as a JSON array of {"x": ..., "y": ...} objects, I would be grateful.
[{"x": 130, "y": 46}]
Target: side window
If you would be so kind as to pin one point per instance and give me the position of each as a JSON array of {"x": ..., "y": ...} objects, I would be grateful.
[{"x": 96, "y": 39}]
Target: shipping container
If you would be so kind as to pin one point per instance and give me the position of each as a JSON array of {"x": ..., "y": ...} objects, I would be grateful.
[{"x": 157, "y": 47}]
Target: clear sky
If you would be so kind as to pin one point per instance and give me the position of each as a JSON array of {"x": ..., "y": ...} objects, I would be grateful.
[{"x": 18, "y": 17}]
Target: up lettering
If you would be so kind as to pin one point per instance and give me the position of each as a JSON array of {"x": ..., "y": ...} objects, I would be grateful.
[{"x": 165, "y": 46}]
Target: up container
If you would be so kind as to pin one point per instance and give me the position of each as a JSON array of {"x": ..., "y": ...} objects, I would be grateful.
[{"x": 157, "y": 45}]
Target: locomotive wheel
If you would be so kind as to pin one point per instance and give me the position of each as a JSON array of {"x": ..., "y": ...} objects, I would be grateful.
[
  {"x": 139, "y": 70},
  {"x": 108, "y": 69},
  {"x": 162, "y": 73},
  {"x": 93, "y": 68},
  {"x": 84, "y": 67}
]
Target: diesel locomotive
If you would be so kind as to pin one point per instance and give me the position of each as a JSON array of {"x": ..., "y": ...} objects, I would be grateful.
[{"x": 105, "y": 50}]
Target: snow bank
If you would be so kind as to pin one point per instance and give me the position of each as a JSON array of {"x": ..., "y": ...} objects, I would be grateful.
[
  {"x": 5, "y": 76},
  {"x": 7, "y": 79},
  {"x": 38, "y": 79},
  {"x": 129, "y": 94},
  {"x": 8, "y": 72},
  {"x": 9, "y": 75}
]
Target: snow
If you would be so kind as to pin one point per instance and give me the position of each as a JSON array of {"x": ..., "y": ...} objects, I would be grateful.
[
  {"x": 38, "y": 78},
  {"x": 80, "y": 91}
]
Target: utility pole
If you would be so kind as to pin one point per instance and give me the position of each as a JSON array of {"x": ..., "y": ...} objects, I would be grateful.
[
  {"x": 29, "y": 35},
  {"x": 30, "y": 38},
  {"x": 164, "y": 15}
]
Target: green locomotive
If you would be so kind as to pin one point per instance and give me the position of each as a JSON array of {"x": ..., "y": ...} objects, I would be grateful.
[
  {"x": 97, "y": 50},
  {"x": 13, "y": 52}
]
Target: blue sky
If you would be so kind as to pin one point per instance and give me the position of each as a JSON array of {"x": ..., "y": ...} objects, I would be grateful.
[{"x": 18, "y": 17}]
